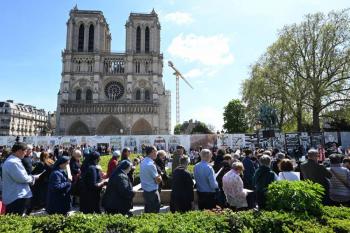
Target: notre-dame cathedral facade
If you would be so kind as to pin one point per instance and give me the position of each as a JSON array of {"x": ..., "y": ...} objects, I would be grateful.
[{"x": 107, "y": 93}]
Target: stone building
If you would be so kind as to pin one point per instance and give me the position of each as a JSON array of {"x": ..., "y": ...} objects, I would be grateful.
[
  {"x": 22, "y": 120},
  {"x": 107, "y": 93}
]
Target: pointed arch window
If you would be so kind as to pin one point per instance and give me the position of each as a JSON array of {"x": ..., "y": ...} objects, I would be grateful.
[
  {"x": 138, "y": 95},
  {"x": 81, "y": 38},
  {"x": 78, "y": 95},
  {"x": 147, "y": 40},
  {"x": 147, "y": 95},
  {"x": 88, "y": 95},
  {"x": 138, "y": 39},
  {"x": 91, "y": 38}
]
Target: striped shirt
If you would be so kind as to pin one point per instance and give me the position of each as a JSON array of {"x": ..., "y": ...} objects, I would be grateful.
[{"x": 338, "y": 191}]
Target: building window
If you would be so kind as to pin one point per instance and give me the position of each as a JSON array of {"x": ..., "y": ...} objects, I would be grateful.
[
  {"x": 91, "y": 38},
  {"x": 147, "y": 95},
  {"x": 137, "y": 67},
  {"x": 147, "y": 40},
  {"x": 138, "y": 95},
  {"x": 81, "y": 38},
  {"x": 88, "y": 95},
  {"x": 78, "y": 95},
  {"x": 138, "y": 39}
]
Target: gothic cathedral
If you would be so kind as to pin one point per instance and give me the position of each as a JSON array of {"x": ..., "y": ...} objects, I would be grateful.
[{"x": 107, "y": 93}]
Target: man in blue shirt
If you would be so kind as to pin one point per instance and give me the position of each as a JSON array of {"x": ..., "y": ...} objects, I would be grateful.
[
  {"x": 150, "y": 180},
  {"x": 16, "y": 191},
  {"x": 205, "y": 181}
]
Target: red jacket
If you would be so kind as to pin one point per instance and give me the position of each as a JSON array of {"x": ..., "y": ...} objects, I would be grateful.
[{"x": 112, "y": 164}]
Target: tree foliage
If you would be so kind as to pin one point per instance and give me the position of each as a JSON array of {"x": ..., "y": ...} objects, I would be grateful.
[
  {"x": 306, "y": 71},
  {"x": 234, "y": 117},
  {"x": 196, "y": 127}
]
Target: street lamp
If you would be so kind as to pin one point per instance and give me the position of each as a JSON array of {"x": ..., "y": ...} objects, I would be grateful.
[{"x": 257, "y": 128}]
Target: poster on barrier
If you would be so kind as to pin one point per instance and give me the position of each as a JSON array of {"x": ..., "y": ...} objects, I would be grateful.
[
  {"x": 173, "y": 142},
  {"x": 205, "y": 141},
  {"x": 10, "y": 141},
  {"x": 131, "y": 142},
  {"x": 160, "y": 142},
  {"x": 143, "y": 141},
  {"x": 224, "y": 141},
  {"x": 316, "y": 139},
  {"x": 292, "y": 141},
  {"x": 29, "y": 140},
  {"x": 330, "y": 138},
  {"x": 3, "y": 141},
  {"x": 43, "y": 141},
  {"x": 305, "y": 142},
  {"x": 250, "y": 140},
  {"x": 345, "y": 139},
  {"x": 237, "y": 141},
  {"x": 115, "y": 142},
  {"x": 278, "y": 141}
]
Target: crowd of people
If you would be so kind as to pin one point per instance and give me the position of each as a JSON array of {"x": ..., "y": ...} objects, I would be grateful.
[{"x": 34, "y": 178}]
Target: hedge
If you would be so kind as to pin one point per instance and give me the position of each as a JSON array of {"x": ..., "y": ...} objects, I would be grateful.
[{"x": 333, "y": 219}]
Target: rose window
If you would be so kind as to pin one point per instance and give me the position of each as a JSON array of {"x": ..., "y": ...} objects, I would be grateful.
[{"x": 114, "y": 90}]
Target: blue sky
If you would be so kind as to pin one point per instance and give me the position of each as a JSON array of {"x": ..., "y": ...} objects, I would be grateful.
[{"x": 213, "y": 43}]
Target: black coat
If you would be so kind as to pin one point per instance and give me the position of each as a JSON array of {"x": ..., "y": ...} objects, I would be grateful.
[
  {"x": 58, "y": 198},
  {"x": 182, "y": 186},
  {"x": 41, "y": 185},
  {"x": 27, "y": 164},
  {"x": 119, "y": 193},
  {"x": 90, "y": 192}
]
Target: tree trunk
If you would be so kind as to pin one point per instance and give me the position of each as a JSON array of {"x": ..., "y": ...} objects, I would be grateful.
[
  {"x": 299, "y": 117},
  {"x": 316, "y": 118}
]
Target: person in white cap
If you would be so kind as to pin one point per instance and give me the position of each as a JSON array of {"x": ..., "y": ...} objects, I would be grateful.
[{"x": 113, "y": 163}]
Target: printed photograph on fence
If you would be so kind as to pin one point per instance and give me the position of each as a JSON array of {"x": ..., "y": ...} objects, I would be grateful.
[
  {"x": 278, "y": 141},
  {"x": 115, "y": 143},
  {"x": 144, "y": 141},
  {"x": 237, "y": 141},
  {"x": 206, "y": 141},
  {"x": 250, "y": 141},
  {"x": 160, "y": 143},
  {"x": 330, "y": 138},
  {"x": 42, "y": 141},
  {"x": 345, "y": 139},
  {"x": 292, "y": 144},
  {"x": 224, "y": 141},
  {"x": 3, "y": 141},
  {"x": 305, "y": 142},
  {"x": 173, "y": 142},
  {"x": 130, "y": 141},
  {"x": 28, "y": 140},
  {"x": 10, "y": 141},
  {"x": 317, "y": 140}
]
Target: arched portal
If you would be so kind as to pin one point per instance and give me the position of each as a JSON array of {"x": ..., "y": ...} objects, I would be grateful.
[
  {"x": 141, "y": 127},
  {"x": 78, "y": 128},
  {"x": 110, "y": 126}
]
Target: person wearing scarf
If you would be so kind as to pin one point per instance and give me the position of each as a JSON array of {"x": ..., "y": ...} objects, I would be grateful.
[
  {"x": 58, "y": 198},
  {"x": 92, "y": 184},
  {"x": 119, "y": 193}
]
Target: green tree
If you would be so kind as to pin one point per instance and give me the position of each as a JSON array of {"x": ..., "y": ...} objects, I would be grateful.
[
  {"x": 305, "y": 71},
  {"x": 177, "y": 129},
  {"x": 190, "y": 127},
  {"x": 234, "y": 117}
]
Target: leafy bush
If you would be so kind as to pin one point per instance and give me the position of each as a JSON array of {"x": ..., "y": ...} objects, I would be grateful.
[
  {"x": 296, "y": 196},
  {"x": 334, "y": 219}
]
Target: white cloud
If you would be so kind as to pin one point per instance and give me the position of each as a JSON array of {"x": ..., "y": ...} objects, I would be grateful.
[
  {"x": 208, "y": 115},
  {"x": 208, "y": 50},
  {"x": 179, "y": 18},
  {"x": 193, "y": 73}
]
